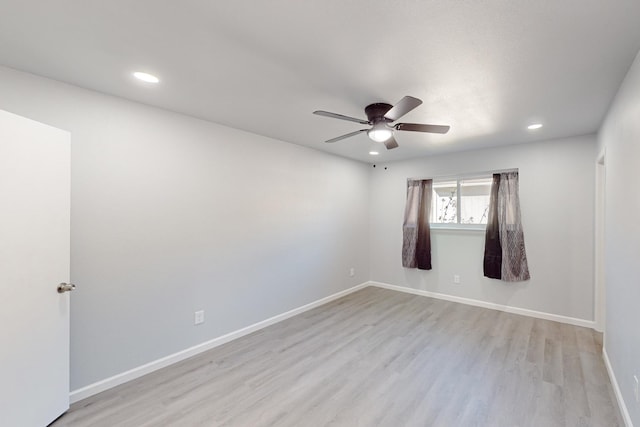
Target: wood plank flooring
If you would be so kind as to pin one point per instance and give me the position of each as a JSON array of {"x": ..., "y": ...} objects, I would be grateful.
[{"x": 377, "y": 358}]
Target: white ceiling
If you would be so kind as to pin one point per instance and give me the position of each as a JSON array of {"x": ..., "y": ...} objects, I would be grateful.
[{"x": 486, "y": 67}]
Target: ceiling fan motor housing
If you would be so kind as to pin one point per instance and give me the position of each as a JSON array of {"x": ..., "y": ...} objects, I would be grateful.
[
  {"x": 376, "y": 112},
  {"x": 381, "y": 131}
]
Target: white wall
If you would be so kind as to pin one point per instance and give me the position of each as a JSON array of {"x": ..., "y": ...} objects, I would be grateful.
[
  {"x": 620, "y": 137},
  {"x": 557, "y": 201},
  {"x": 172, "y": 214}
]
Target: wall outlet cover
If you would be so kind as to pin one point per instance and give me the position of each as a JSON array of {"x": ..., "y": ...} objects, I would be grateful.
[{"x": 198, "y": 317}]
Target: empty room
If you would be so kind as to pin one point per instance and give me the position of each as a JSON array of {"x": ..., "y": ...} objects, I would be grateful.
[{"x": 319, "y": 213}]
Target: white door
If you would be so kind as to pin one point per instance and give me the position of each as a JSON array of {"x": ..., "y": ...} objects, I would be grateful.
[{"x": 34, "y": 259}]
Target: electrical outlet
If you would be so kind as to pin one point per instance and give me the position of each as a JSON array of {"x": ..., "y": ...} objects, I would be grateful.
[
  {"x": 198, "y": 317},
  {"x": 635, "y": 388},
  {"x": 456, "y": 278},
  {"x": 352, "y": 272}
]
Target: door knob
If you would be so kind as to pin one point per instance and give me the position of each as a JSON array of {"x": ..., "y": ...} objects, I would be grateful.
[{"x": 65, "y": 287}]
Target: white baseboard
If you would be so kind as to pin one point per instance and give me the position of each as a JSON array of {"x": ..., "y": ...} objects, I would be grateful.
[
  {"x": 490, "y": 305},
  {"x": 100, "y": 386},
  {"x": 616, "y": 389}
]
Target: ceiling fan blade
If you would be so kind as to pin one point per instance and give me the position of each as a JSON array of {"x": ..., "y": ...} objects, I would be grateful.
[
  {"x": 416, "y": 127},
  {"x": 341, "y": 117},
  {"x": 348, "y": 135},
  {"x": 403, "y": 106},
  {"x": 391, "y": 143}
]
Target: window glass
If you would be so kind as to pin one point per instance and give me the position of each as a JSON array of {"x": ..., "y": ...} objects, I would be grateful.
[
  {"x": 474, "y": 203},
  {"x": 462, "y": 201},
  {"x": 444, "y": 205}
]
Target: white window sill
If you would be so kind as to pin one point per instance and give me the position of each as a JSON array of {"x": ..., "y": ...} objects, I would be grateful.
[{"x": 458, "y": 228}]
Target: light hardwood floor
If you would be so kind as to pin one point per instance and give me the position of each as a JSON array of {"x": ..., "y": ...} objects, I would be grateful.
[{"x": 377, "y": 358}]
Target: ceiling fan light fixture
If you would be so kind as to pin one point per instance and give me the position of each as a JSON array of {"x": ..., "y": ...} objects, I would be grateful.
[{"x": 380, "y": 132}]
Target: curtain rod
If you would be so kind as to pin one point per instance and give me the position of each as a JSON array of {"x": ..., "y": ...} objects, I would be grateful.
[{"x": 466, "y": 175}]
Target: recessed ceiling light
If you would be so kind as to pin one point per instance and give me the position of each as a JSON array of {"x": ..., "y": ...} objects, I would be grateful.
[
  {"x": 373, "y": 153},
  {"x": 534, "y": 126},
  {"x": 146, "y": 77}
]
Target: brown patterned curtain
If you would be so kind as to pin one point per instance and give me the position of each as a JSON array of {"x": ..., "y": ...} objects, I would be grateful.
[
  {"x": 505, "y": 257},
  {"x": 416, "y": 233},
  {"x": 492, "y": 246}
]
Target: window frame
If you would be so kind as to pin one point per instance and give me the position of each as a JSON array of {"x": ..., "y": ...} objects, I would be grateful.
[{"x": 458, "y": 225}]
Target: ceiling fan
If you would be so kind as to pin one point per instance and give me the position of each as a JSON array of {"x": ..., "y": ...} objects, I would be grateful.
[{"x": 381, "y": 116}]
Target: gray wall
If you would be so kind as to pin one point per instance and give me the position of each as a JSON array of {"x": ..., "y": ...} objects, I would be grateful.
[
  {"x": 172, "y": 214},
  {"x": 620, "y": 137},
  {"x": 557, "y": 200}
]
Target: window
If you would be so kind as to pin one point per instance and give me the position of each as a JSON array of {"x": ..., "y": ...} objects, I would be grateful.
[{"x": 461, "y": 202}]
